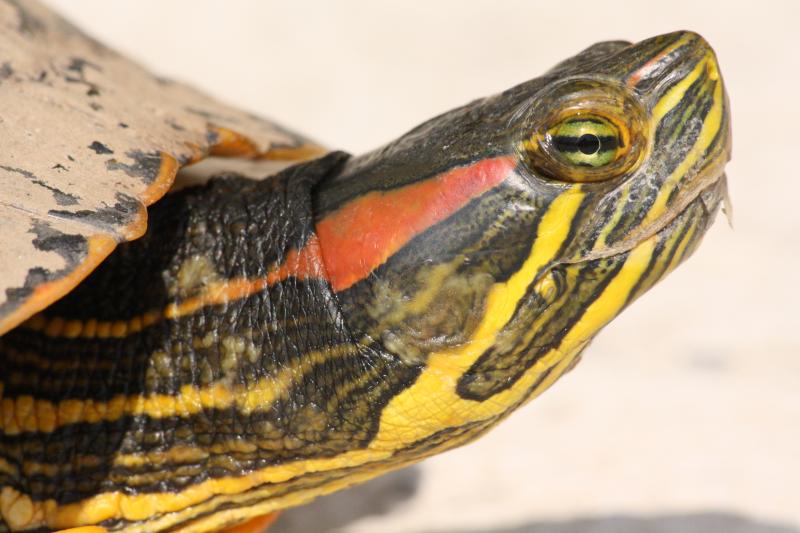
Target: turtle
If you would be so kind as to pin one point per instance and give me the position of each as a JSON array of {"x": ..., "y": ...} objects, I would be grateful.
[{"x": 196, "y": 351}]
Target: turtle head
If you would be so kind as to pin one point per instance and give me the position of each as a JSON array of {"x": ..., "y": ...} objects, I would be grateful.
[{"x": 490, "y": 244}]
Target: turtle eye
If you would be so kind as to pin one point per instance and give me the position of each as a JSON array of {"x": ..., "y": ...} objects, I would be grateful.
[
  {"x": 588, "y": 141},
  {"x": 583, "y": 131}
]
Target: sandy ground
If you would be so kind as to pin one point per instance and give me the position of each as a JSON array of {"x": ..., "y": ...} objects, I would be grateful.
[{"x": 684, "y": 415}]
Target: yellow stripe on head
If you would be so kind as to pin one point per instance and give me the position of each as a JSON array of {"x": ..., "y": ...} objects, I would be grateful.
[
  {"x": 708, "y": 132},
  {"x": 404, "y": 421}
]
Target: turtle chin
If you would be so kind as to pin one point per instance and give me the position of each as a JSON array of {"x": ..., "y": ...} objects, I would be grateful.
[
  {"x": 678, "y": 238},
  {"x": 627, "y": 274},
  {"x": 716, "y": 195},
  {"x": 695, "y": 218},
  {"x": 708, "y": 190}
]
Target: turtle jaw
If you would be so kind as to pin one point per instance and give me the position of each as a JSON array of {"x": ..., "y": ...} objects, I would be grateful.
[
  {"x": 616, "y": 279},
  {"x": 697, "y": 216},
  {"x": 710, "y": 191},
  {"x": 661, "y": 251},
  {"x": 680, "y": 236},
  {"x": 699, "y": 212}
]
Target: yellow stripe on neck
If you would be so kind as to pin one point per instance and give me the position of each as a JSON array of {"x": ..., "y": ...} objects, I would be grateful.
[
  {"x": 26, "y": 413},
  {"x": 406, "y": 419}
]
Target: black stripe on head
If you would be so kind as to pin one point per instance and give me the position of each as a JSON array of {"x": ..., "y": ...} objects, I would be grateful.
[
  {"x": 537, "y": 328},
  {"x": 675, "y": 137}
]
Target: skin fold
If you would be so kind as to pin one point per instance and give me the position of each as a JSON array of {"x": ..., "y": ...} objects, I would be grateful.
[{"x": 266, "y": 342}]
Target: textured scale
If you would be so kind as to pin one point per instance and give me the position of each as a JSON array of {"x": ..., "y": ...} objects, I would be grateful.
[{"x": 266, "y": 342}]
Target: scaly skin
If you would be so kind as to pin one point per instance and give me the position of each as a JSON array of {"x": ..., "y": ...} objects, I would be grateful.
[{"x": 268, "y": 342}]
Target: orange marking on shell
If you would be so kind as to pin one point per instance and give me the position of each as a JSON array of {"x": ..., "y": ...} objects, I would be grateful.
[
  {"x": 163, "y": 181},
  {"x": 198, "y": 153},
  {"x": 255, "y": 525},
  {"x": 161, "y": 184},
  {"x": 99, "y": 246},
  {"x": 365, "y": 232},
  {"x": 289, "y": 153},
  {"x": 84, "y": 529},
  {"x": 232, "y": 144},
  {"x": 46, "y": 293}
]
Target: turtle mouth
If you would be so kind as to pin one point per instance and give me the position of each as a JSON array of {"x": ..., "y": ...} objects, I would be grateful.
[
  {"x": 670, "y": 243},
  {"x": 703, "y": 206},
  {"x": 710, "y": 192},
  {"x": 708, "y": 197}
]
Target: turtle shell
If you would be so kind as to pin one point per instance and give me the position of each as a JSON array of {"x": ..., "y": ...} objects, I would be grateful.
[{"x": 90, "y": 139}]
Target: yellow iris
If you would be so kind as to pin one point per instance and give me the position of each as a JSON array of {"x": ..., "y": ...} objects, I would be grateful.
[{"x": 587, "y": 140}]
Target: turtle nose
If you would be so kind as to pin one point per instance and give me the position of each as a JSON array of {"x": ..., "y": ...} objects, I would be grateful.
[{"x": 667, "y": 57}]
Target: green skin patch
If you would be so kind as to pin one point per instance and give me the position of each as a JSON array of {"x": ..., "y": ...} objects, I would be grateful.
[{"x": 586, "y": 141}]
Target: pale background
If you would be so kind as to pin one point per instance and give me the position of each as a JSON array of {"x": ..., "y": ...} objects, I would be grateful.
[{"x": 684, "y": 415}]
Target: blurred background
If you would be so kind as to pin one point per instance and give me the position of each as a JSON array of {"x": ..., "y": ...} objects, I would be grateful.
[{"x": 684, "y": 415}]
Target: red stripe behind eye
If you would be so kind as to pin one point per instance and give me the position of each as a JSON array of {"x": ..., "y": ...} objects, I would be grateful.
[
  {"x": 363, "y": 233},
  {"x": 358, "y": 237}
]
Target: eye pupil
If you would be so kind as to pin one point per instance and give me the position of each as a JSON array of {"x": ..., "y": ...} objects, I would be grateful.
[{"x": 589, "y": 144}]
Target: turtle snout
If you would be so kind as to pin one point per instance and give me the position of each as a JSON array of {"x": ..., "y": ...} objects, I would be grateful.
[{"x": 658, "y": 62}]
